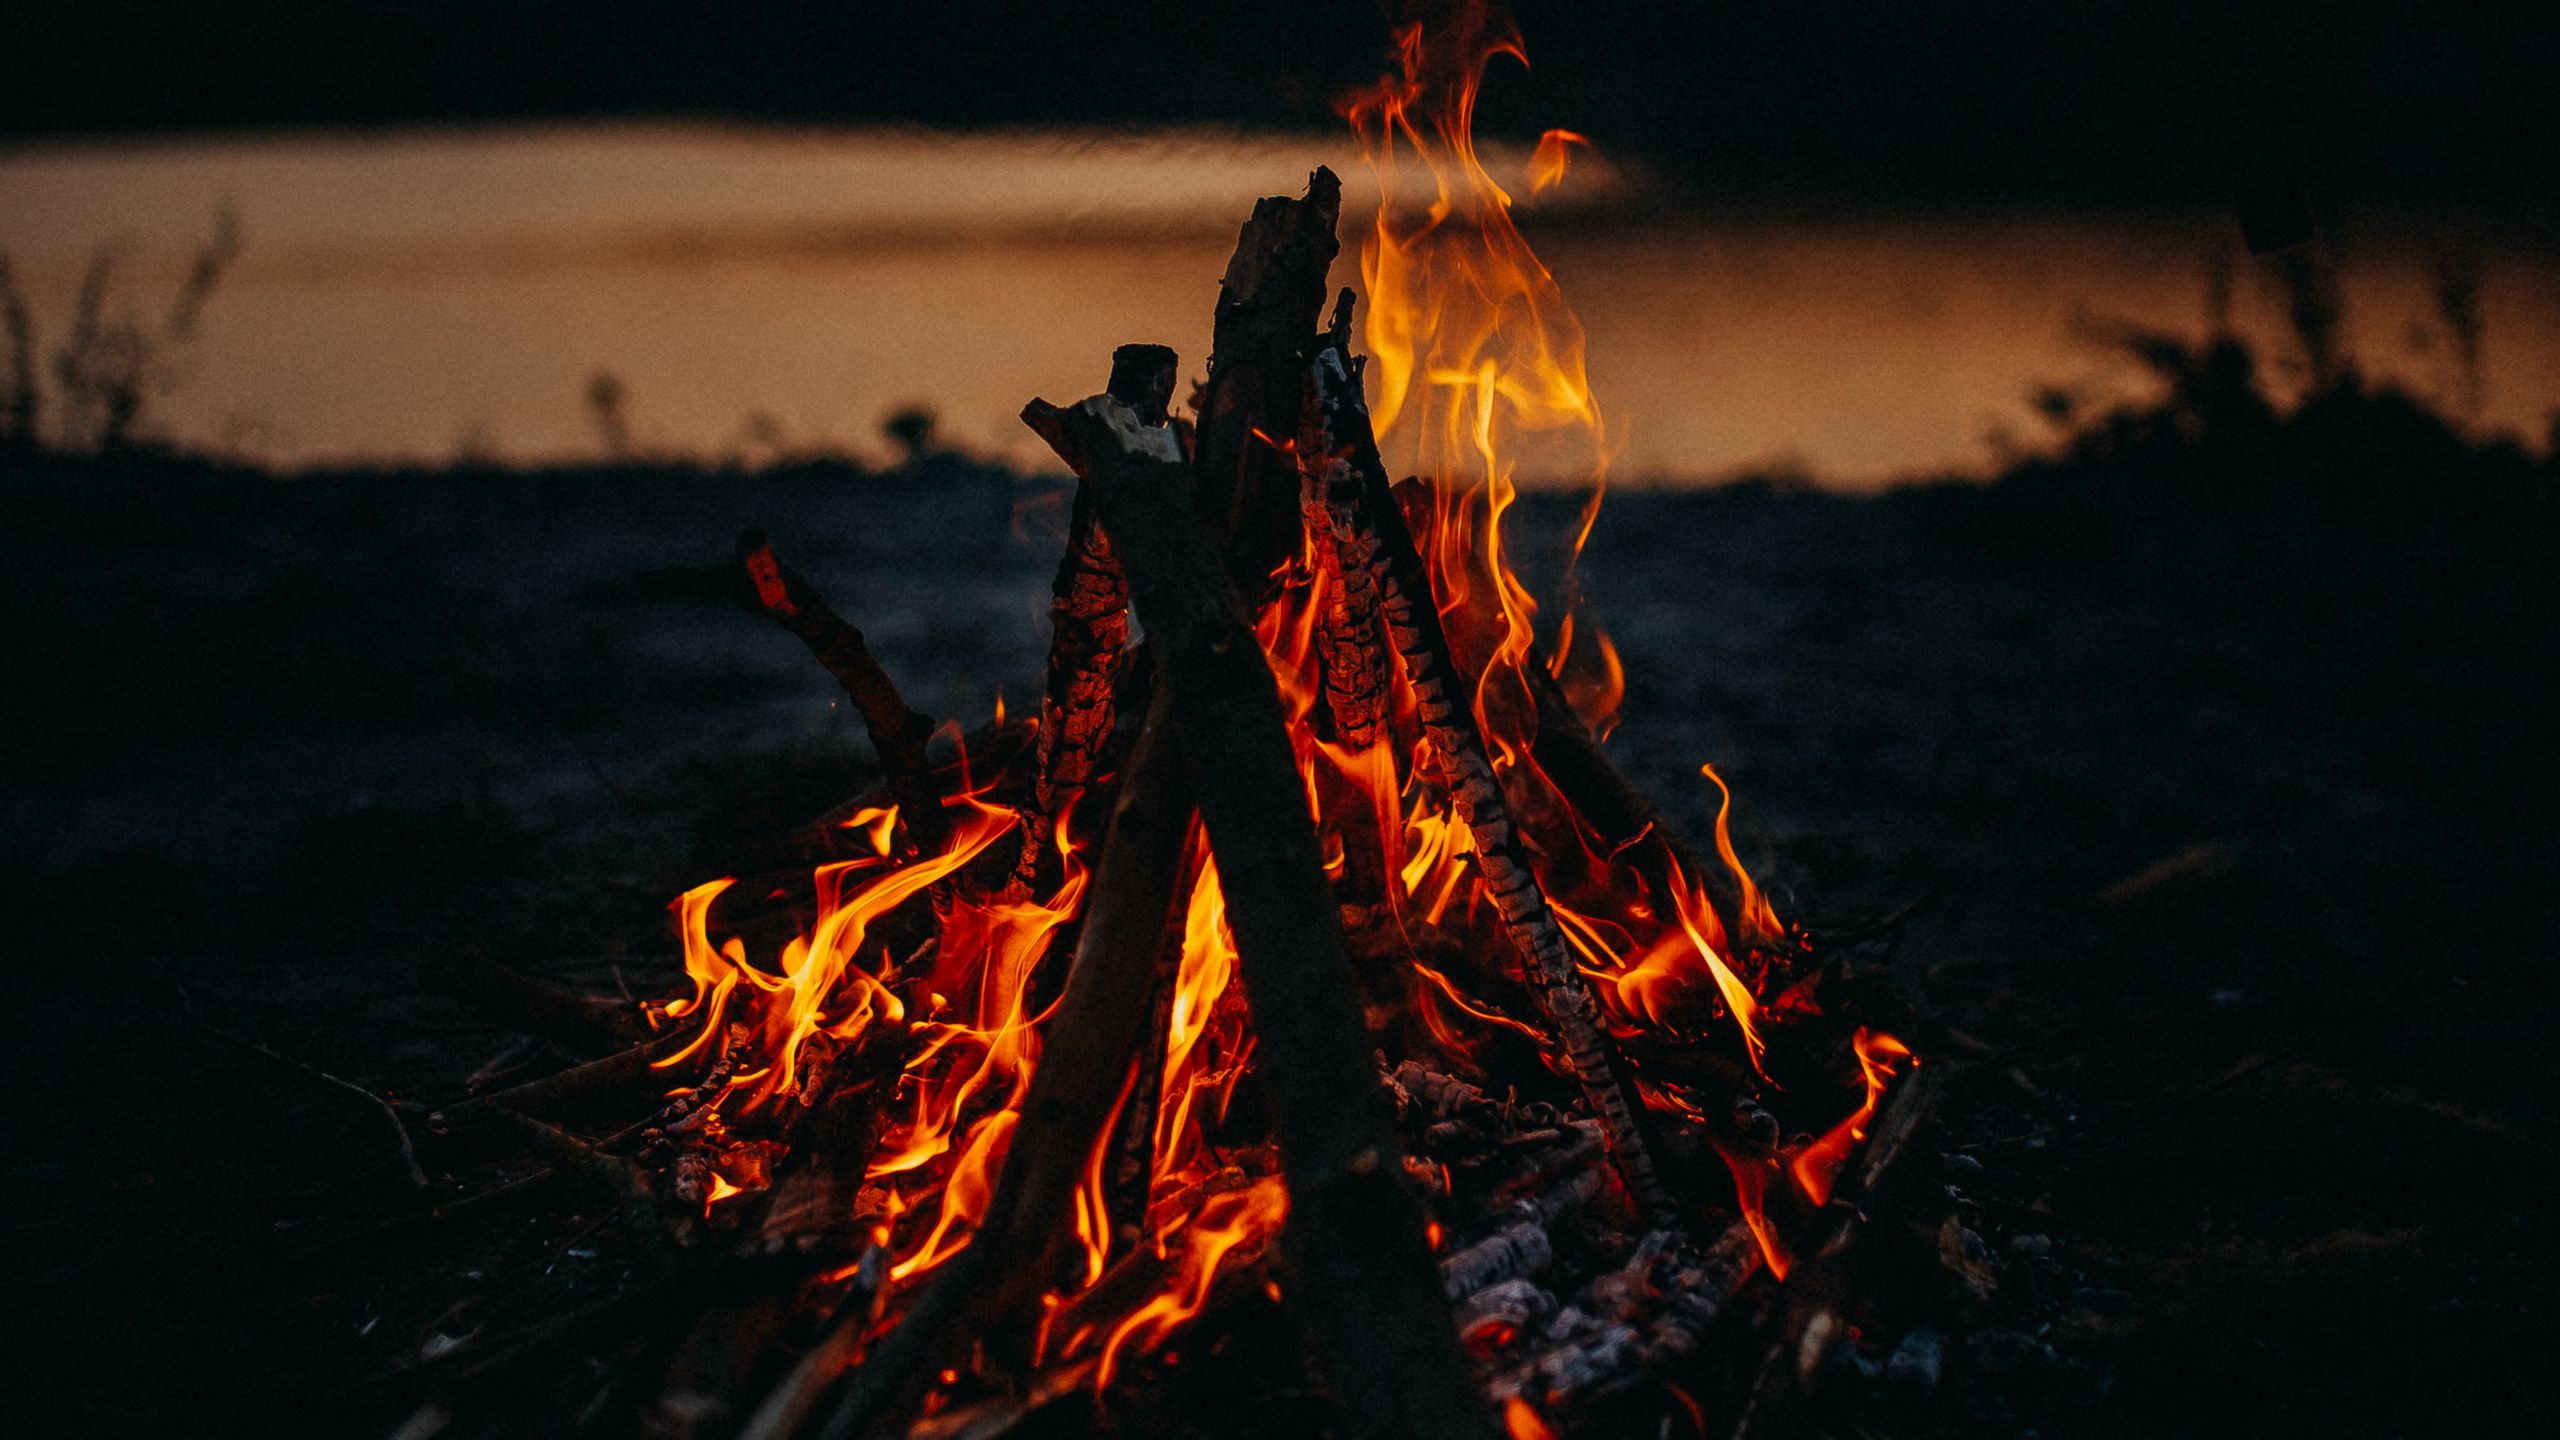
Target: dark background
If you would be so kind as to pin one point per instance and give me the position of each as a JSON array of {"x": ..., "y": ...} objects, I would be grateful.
[{"x": 1941, "y": 101}]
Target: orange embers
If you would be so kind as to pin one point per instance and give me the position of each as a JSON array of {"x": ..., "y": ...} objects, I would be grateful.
[{"x": 1524, "y": 1422}]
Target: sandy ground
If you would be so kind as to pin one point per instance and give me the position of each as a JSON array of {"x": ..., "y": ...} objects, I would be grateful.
[{"x": 2233, "y": 814}]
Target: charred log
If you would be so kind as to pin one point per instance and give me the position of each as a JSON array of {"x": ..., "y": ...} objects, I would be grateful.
[
  {"x": 1088, "y": 629},
  {"x": 1375, "y": 538},
  {"x": 1363, "y": 1282},
  {"x": 897, "y": 733},
  {"x": 1093, "y": 1042},
  {"x": 1269, "y": 304}
]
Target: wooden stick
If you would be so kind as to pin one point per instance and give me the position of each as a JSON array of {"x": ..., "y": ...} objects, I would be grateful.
[
  {"x": 538, "y": 1007},
  {"x": 1091, "y": 1043},
  {"x": 628, "y": 1078},
  {"x": 609, "y": 1174},
  {"x": 1834, "y": 1263},
  {"x": 898, "y": 734},
  {"x": 399, "y": 1129},
  {"x": 1621, "y": 815},
  {"x": 1373, "y": 536},
  {"x": 1088, "y": 629},
  {"x": 1362, "y": 1278},
  {"x": 1130, "y": 1183},
  {"x": 1268, "y": 306},
  {"x": 1357, "y": 663}
]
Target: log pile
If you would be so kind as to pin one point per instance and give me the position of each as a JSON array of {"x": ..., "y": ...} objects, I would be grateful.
[{"x": 992, "y": 1137}]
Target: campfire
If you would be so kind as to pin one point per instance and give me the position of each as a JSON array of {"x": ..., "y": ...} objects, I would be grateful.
[{"x": 1304, "y": 959}]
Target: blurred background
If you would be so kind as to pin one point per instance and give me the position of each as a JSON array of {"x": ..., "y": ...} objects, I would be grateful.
[{"x": 1852, "y": 242}]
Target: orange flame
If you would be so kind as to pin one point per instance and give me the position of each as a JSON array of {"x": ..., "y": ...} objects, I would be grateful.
[
  {"x": 1480, "y": 372},
  {"x": 1818, "y": 1164},
  {"x": 1554, "y": 156},
  {"x": 1524, "y": 1422}
]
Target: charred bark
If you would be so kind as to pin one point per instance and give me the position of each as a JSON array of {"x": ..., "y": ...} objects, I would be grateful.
[
  {"x": 1374, "y": 537},
  {"x": 1363, "y": 1282},
  {"x": 1088, "y": 630},
  {"x": 1269, "y": 303},
  {"x": 898, "y": 734}
]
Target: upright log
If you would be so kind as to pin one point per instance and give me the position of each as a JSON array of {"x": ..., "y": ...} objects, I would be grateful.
[
  {"x": 1362, "y": 1280},
  {"x": 1269, "y": 302},
  {"x": 897, "y": 733},
  {"x": 1088, "y": 629},
  {"x": 1372, "y": 536}
]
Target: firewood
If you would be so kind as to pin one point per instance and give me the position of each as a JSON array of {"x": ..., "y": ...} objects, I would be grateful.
[
  {"x": 1358, "y": 667},
  {"x": 1132, "y": 1175},
  {"x": 1364, "y": 1284},
  {"x": 1513, "y": 1251},
  {"x": 1374, "y": 536},
  {"x": 1092, "y": 1043},
  {"x": 610, "y": 1175},
  {"x": 1649, "y": 1312},
  {"x": 587, "y": 1024},
  {"x": 792, "y": 1400},
  {"x": 630, "y": 1078},
  {"x": 1834, "y": 1261},
  {"x": 1269, "y": 304},
  {"x": 898, "y": 734},
  {"x": 1620, "y": 815},
  {"x": 1088, "y": 629}
]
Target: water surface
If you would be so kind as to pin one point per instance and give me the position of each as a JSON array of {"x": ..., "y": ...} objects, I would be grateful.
[{"x": 417, "y": 294}]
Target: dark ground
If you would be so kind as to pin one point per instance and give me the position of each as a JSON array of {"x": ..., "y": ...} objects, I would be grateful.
[{"x": 2224, "y": 746}]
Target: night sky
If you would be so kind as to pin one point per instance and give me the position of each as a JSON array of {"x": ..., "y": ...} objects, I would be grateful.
[{"x": 1958, "y": 102}]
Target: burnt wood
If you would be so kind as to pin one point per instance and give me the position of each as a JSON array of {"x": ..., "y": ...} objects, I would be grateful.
[
  {"x": 1091, "y": 1044},
  {"x": 898, "y": 733},
  {"x": 1088, "y": 630},
  {"x": 1361, "y": 1278},
  {"x": 1269, "y": 303},
  {"x": 1372, "y": 536}
]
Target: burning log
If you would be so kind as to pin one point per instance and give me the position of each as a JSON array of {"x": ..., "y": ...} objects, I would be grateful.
[
  {"x": 1094, "y": 1041},
  {"x": 610, "y": 1175},
  {"x": 1089, "y": 628},
  {"x": 1375, "y": 537},
  {"x": 1835, "y": 1263},
  {"x": 1269, "y": 304},
  {"x": 1132, "y": 1176},
  {"x": 1367, "y": 1291},
  {"x": 1357, "y": 665},
  {"x": 898, "y": 734}
]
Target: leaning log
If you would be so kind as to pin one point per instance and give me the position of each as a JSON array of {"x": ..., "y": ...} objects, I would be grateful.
[
  {"x": 1362, "y": 1278},
  {"x": 1358, "y": 667},
  {"x": 1372, "y": 535},
  {"x": 898, "y": 734},
  {"x": 1092, "y": 1042}
]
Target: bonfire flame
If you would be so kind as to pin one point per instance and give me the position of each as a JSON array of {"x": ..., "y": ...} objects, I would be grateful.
[{"x": 1477, "y": 363}]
